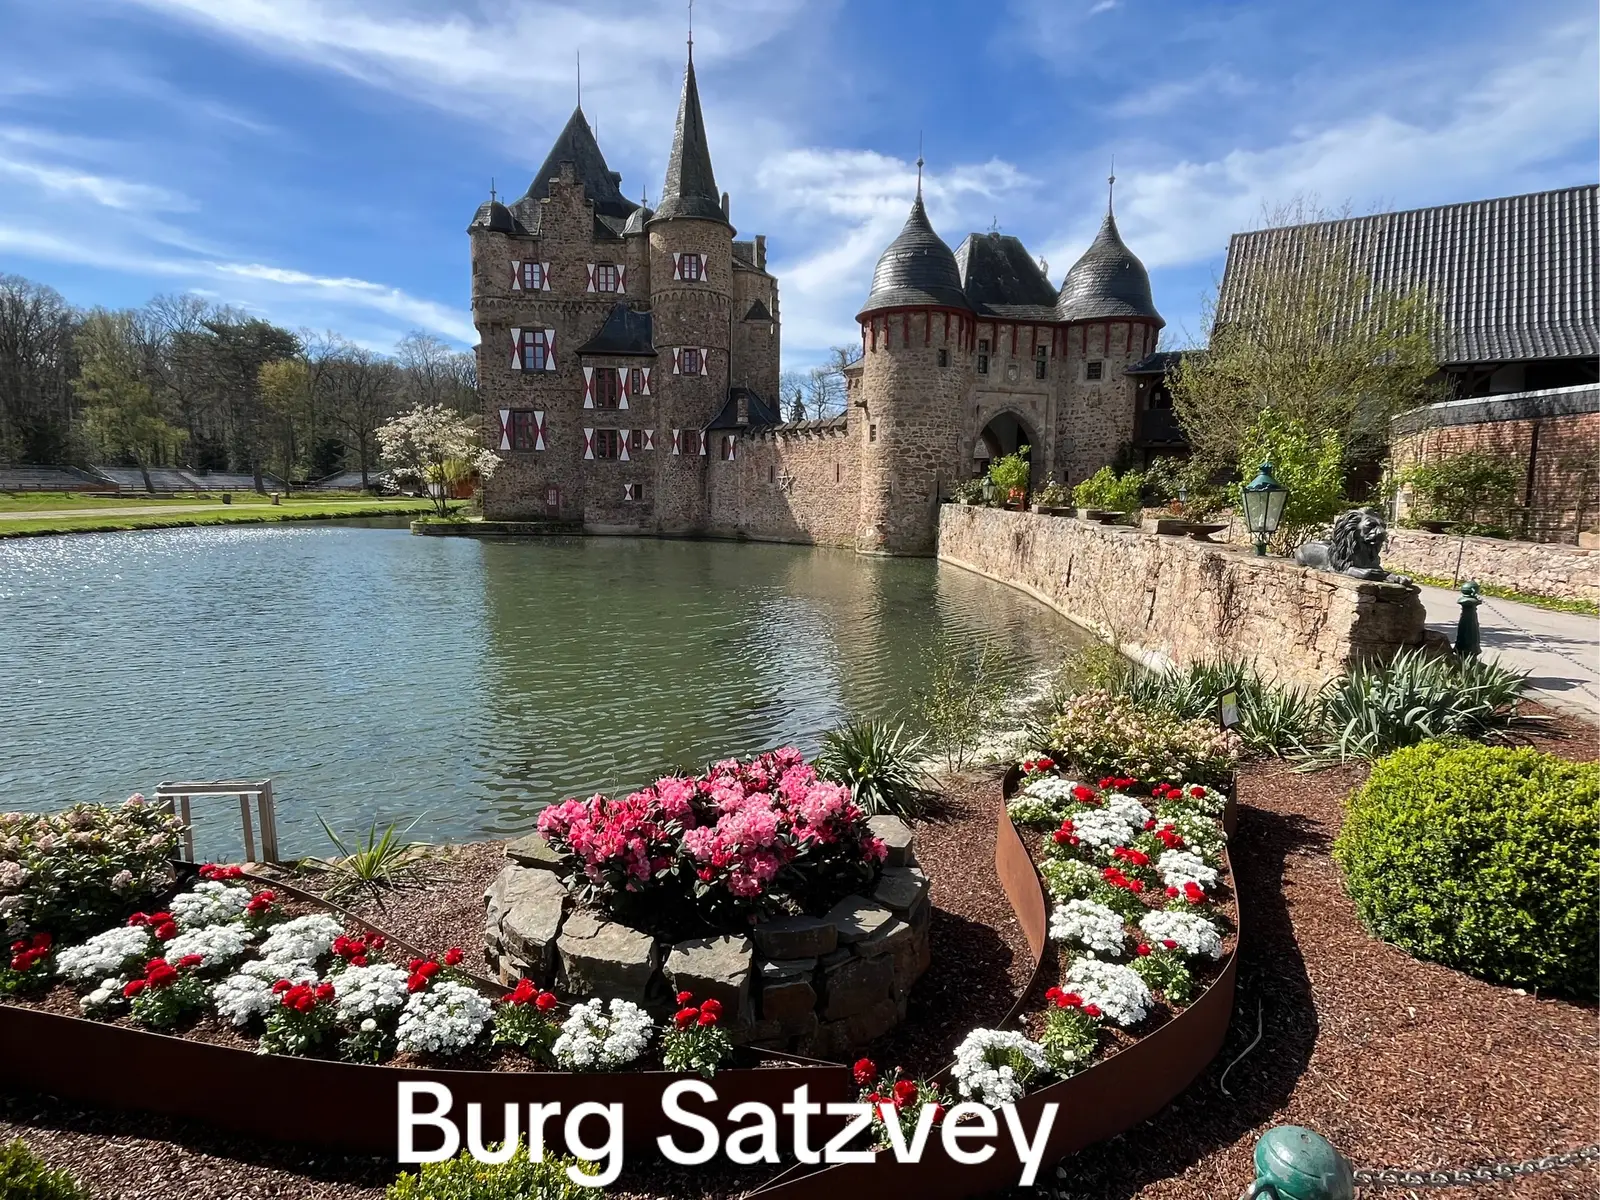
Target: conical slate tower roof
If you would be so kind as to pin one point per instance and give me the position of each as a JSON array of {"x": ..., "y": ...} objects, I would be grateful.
[
  {"x": 601, "y": 184},
  {"x": 1108, "y": 281},
  {"x": 917, "y": 268},
  {"x": 691, "y": 187}
]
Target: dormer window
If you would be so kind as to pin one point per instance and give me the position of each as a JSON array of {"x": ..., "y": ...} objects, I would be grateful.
[{"x": 605, "y": 277}]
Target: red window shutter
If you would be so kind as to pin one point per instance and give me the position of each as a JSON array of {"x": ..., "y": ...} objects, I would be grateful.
[
  {"x": 644, "y": 379},
  {"x": 544, "y": 277},
  {"x": 549, "y": 349},
  {"x": 538, "y": 429},
  {"x": 588, "y": 443},
  {"x": 705, "y": 361},
  {"x": 516, "y": 276},
  {"x": 622, "y": 387},
  {"x": 702, "y": 259},
  {"x": 590, "y": 286},
  {"x": 588, "y": 387},
  {"x": 703, "y": 436},
  {"x": 516, "y": 349},
  {"x": 505, "y": 429},
  {"x": 677, "y": 441},
  {"x": 622, "y": 278},
  {"x": 677, "y": 265},
  {"x": 649, "y": 439}
]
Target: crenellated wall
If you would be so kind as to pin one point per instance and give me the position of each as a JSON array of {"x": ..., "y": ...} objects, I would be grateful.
[
  {"x": 796, "y": 483},
  {"x": 1171, "y": 600}
]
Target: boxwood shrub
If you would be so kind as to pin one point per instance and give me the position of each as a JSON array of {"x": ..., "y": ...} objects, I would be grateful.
[
  {"x": 520, "y": 1177},
  {"x": 24, "y": 1176},
  {"x": 1485, "y": 859}
]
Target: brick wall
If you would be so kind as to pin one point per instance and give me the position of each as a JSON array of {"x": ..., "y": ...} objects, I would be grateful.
[{"x": 1174, "y": 600}]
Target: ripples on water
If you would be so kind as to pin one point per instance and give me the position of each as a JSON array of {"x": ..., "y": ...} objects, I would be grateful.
[{"x": 378, "y": 676}]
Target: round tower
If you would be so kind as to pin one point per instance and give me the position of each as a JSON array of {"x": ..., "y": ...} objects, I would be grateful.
[
  {"x": 1112, "y": 323},
  {"x": 917, "y": 333},
  {"x": 691, "y": 299}
]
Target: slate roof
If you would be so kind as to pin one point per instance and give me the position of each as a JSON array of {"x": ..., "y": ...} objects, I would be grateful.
[
  {"x": 1001, "y": 279},
  {"x": 758, "y": 411},
  {"x": 691, "y": 187},
  {"x": 624, "y": 332},
  {"x": 1157, "y": 363},
  {"x": 602, "y": 185},
  {"x": 1514, "y": 278},
  {"x": 917, "y": 268},
  {"x": 758, "y": 312},
  {"x": 1108, "y": 281}
]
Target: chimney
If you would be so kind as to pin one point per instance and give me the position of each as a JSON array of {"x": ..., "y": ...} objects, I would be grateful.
[
  {"x": 725, "y": 215},
  {"x": 761, "y": 252}
]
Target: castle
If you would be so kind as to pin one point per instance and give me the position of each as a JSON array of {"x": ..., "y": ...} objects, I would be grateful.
[{"x": 628, "y": 363}]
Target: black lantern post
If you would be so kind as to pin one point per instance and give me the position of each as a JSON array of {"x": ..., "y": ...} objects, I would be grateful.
[{"x": 1264, "y": 498}]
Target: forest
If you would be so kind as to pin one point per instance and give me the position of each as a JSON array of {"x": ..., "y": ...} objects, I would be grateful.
[{"x": 184, "y": 382}]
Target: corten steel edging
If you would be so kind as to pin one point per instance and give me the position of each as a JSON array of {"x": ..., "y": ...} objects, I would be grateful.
[
  {"x": 1109, "y": 1098},
  {"x": 349, "y": 1107}
]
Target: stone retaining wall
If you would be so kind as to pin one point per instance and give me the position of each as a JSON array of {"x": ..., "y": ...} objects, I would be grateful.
[
  {"x": 1171, "y": 600},
  {"x": 1539, "y": 568},
  {"x": 821, "y": 986}
]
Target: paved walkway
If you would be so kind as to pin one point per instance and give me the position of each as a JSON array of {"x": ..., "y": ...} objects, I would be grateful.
[
  {"x": 55, "y": 514},
  {"x": 1561, "y": 651}
]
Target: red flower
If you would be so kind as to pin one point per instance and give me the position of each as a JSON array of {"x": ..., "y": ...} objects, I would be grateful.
[
  {"x": 282, "y": 986},
  {"x": 18, "y": 946},
  {"x": 376, "y": 941},
  {"x": 1150, "y": 824},
  {"x": 358, "y": 960},
  {"x": 166, "y": 931},
  {"x": 1135, "y": 886},
  {"x": 713, "y": 1006},
  {"x": 938, "y": 1113},
  {"x": 1054, "y": 995},
  {"x": 132, "y": 988},
  {"x": 865, "y": 1071},
  {"x": 1106, "y": 782},
  {"x": 1142, "y": 949},
  {"x": 905, "y": 1092},
  {"x": 41, "y": 941},
  {"x": 453, "y": 956},
  {"x": 1172, "y": 893},
  {"x": 1083, "y": 793},
  {"x": 545, "y": 1002},
  {"x": 1091, "y": 1010},
  {"x": 160, "y": 974},
  {"x": 522, "y": 993},
  {"x": 1044, "y": 764},
  {"x": 707, "y": 1017},
  {"x": 685, "y": 1017},
  {"x": 684, "y": 998},
  {"x": 1197, "y": 792},
  {"x": 1193, "y": 892},
  {"x": 191, "y": 960},
  {"x": 415, "y": 982},
  {"x": 324, "y": 991},
  {"x": 139, "y": 919},
  {"x": 1169, "y": 943},
  {"x": 1069, "y": 1000}
]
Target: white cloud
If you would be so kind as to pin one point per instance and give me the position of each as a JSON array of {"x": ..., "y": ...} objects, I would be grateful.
[
  {"x": 105, "y": 190},
  {"x": 361, "y": 293}
]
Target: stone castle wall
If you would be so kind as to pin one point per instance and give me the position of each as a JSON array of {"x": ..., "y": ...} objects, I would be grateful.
[
  {"x": 1096, "y": 417},
  {"x": 798, "y": 483},
  {"x": 1171, "y": 600}
]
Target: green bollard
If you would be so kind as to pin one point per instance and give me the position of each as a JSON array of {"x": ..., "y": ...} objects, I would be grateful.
[
  {"x": 1295, "y": 1164},
  {"x": 1468, "y": 643}
]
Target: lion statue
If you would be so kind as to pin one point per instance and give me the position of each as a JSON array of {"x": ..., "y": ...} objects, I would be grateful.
[{"x": 1354, "y": 547}]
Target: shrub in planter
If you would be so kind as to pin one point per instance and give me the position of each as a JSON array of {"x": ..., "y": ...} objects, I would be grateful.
[
  {"x": 1485, "y": 859},
  {"x": 82, "y": 869},
  {"x": 518, "y": 1178},
  {"x": 1105, "y": 489},
  {"x": 24, "y": 1176}
]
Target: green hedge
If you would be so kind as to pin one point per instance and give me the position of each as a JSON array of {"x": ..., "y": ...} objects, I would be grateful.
[
  {"x": 24, "y": 1176},
  {"x": 1485, "y": 859},
  {"x": 518, "y": 1178}
]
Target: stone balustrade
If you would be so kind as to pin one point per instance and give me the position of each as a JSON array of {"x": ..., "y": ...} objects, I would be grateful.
[
  {"x": 823, "y": 985},
  {"x": 1168, "y": 600}
]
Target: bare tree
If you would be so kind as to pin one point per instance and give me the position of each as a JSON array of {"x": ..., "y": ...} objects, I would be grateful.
[
  {"x": 432, "y": 374},
  {"x": 36, "y": 367},
  {"x": 363, "y": 389}
]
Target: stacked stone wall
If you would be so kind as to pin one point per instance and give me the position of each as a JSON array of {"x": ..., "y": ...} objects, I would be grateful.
[
  {"x": 1171, "y": 600},
  {"x": 1539, "y": 569},
  {"x": 795, "y": 484}
]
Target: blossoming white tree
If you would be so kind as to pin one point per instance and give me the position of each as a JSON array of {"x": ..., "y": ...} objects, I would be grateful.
[{"x": 437, "y": 447}]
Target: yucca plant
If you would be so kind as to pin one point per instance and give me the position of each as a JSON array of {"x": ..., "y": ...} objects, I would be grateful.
[
  {"x": 382, "y": 861},
  {"x": 878, "y": 763},
  {"x": 1415, "y": 697}
]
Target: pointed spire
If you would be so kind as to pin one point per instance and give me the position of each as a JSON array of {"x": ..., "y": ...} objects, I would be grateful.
[
  {"x": 690, "y": 189},
  {"x": 492, "y": 196},
  {"x": 1111, "y": 186},
  {"x": 919, "y": 167},
  {"x": 576, "y": 144}
]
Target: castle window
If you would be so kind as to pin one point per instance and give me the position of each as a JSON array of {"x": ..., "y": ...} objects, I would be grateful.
[
  {"x": 607, "y": 444},
  {"x": 838, "y": 473},
  {"x": 691, "y": 361},
  {"x": 772, "y": 474},
  {"x": 524, "y": 431},
  {"x": 633, "y": 491},
  {"x": 532, "y": 277},
  {"x": 1094, "y": 370},
  {"x": 872, "y": 433},
  {"x": 535, "y": 351},
  {"x": 983, "y": 356},
  {"x": 944, "y": 357},
  {"x": 605, "y": 277},
  {"x": 635, "y": 441},
  {"x": 606, "y": 391},
  {"x": 689, "y": 267},
  {"x": 636, "y": 382},
  {"x": 1041, "y": 363}
]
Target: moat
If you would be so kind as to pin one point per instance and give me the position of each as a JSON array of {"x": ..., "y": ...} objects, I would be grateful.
[{"x": 465, "y": 683}]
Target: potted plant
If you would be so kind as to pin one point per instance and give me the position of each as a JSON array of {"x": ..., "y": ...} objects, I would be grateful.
[
  {"x": 1052, "y": 499},
  {"x": 1010, "y": 478},
  {"x": 970, "y": 492},
  {"x": 1107, "y": 497}
]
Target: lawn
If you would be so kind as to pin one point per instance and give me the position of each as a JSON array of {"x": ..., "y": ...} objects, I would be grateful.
[
  {"x": 252, "y": 514},
  {"x": 13, "y": 502}
]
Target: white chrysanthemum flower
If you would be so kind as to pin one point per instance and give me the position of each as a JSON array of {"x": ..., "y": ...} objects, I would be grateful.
[
  {"x": 106, "y": 993},
  {"x": 1046, "y": 799},
  {"x": 302, "y": 938},
  {"x": 993, "y": 1066},
  {"x": 1068, "y": 878},
  {"x": 217, "y": 945},
  {"x": 373, "y": 990},
  {"x": 1179, "y": 867},
  {"x": 1196, "y": 936},
  {"x": 592, "y": 1037},
  {"x": 1093, "y": 926},
  {"x": 1128, "y": 808},
  {"x": 1118, "y": 991},
  {"x": 209, "y": 903},
  {"x": 445, "y": 1019},
  {"x": 104, "y": 954}
]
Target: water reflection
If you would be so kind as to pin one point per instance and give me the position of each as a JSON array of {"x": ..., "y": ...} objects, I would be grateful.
[{"x": 374, "y": 675}]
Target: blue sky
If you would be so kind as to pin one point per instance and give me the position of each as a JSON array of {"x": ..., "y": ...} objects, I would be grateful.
[{"x": 316, "y": 161}]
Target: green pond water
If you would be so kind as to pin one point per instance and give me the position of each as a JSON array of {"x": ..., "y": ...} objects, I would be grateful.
[{"x": 373, "y": 675}]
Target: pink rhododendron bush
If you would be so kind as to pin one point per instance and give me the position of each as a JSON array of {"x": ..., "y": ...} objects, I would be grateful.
[{"x": 744, "y": 840}]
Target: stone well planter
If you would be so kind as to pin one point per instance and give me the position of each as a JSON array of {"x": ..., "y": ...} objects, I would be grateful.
[{"x": 821, "y": 985}]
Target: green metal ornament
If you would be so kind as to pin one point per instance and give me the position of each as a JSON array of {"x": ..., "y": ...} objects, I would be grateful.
[
  {"x": 1296, "y": 1164},
  {"x": 1468, "y": 643}
]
